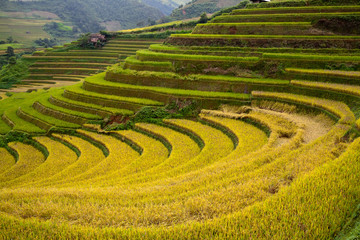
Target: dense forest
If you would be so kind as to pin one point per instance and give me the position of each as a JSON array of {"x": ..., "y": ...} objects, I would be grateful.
[{"x": 88, "y": 15}]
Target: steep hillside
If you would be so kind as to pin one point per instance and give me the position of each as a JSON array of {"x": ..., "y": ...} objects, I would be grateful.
[
  {"x": 88, "y": 15},
  {"x": 196, "y": 7},
  {"x": 166, "y": 6}
]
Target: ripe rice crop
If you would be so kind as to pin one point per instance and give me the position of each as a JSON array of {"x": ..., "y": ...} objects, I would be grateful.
[
  {"x": 7, "y": 160},
  {"x": 341, "y": 110},
  {"x": 29, "y": 159},
  {"x": 305, "y": 57},
  {"x": 90, "y": 157},
  {"x": 60, "y": 157},
  {"x": 121, "y": 155},
  {"x": 353, "y": 90},
  {"x": 338, "y": 73}
]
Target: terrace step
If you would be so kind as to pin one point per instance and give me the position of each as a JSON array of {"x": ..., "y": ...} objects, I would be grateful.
[
  {"x": 77, "y": 93},
  {"x": 38, "y": 81},
  {"x": 217, "y": 83},
  {"x": 284, "y": 17},
  {"x": 339, "y": 109},
  {"x": 324, "y": 75},
  {"x": 60, "y": 157},
  {"x": 7, "y": 160},
  {"x": 343, "y": 88},
  {"x": 127, "y": 46},
  {"x": 73, "y": 58},
  {"x": 135, "y": 64},
  {"x": 99, "y": 110},
  {"x": 134, "y": 42},
  {"x": 80, "y": 118},
  {"x": 260, "y": 28},
  {"x": 29, "y": 159},
  {"x": 90, "y": 156},
  {"x": 82, "y": 54},
  {"x": 153, "y": 152},
  {"x": 307, "y": 9},
  {"x": 62, "y": 70},
  {"x": 42, "y": 120},
  {"x": 70, "y": 64},
  {"x": 71, "y": 79},
  {"x": 256, "y": 51},
  {"x": 280, "y": 41},
  {"x": 98, "y": 84}
]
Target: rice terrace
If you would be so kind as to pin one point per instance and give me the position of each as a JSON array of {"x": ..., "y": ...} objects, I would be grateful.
[{"x": 244, "y": 125}]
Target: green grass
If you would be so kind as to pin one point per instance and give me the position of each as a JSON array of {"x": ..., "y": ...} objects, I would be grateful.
[
  {"x": 296, "y": 9},
  {"x": 306, "y": 57},
  {"x": 114, "y": 111},
  {"x": 4, "y": 128},
  {"x": 76, "y": 89},
  {"x": 10, "y": 105},
  {"x": 13, "y": 45},
  {"x": 257, "y": 24},
  {"x": 222, "y": 36},
  {"x": 295, "y": 17},
  {"x": 48, "y": 119},
  {"x": 99, "y": 80},
  {"x": 83, "y": 53},
  {"x": 325, "y": 72},
  {"x": 199, "y": 49},
  {"x": 134, "y": 60},
  {"x": 47, "y": 104},
  {"x": 149, "y": 55},
  {"x": 193, "y": 77}
]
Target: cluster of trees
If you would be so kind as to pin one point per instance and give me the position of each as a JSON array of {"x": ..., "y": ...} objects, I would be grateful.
[
  {"x": 9, "y": 40},
  {"x": 46, "y": 42}
]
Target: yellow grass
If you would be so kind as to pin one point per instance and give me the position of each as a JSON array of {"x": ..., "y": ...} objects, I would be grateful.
[
  {"x": 59, "y": 158},
  {"x": 29, "y": 159},
  {"x": 340, "y": 109},
  {"x": 7, "y": 160}
]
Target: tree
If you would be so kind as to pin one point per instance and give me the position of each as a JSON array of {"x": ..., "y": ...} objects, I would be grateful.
[
  {"x": 203, "y": 18},
  {"x": 10, "y": 39},
  {"x": 10, "y": 52}
]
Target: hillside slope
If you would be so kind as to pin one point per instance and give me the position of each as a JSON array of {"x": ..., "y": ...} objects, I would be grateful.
[
  {"x": 196, "y": 7},
  {"x": 90, "y": 15}
]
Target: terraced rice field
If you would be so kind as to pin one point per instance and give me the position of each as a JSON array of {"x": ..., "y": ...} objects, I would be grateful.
[{"x": 269, "y": 151}]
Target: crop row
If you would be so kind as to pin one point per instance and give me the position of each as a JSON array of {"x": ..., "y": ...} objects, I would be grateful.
[
  {"x": 135, "y": 64},
  {"x": 341, "y": 110},
  {"x": 333, "y": 37},
  {"x": 287, "y": 17},
  {"x": 325, "y": 72},
  {"x": 307, "y": 9},
  {"x": 206, "y": 49},
  {"x": 61, "y": 101},
  {"x": 98, "y": 84},
  {"x": 146, "y": 55},
  {"x": 29, "y": 159}
]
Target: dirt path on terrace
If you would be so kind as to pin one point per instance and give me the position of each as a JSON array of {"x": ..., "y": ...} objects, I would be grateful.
[{"x": 314, "y": 126}]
